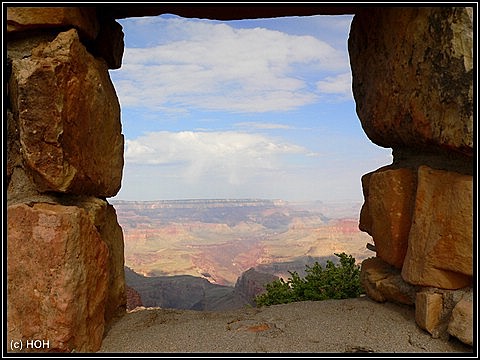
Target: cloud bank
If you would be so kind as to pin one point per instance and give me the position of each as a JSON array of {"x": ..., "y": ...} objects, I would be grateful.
[
  {"x": 232, "y": 156},
  {"x": 213, "y": 66}
]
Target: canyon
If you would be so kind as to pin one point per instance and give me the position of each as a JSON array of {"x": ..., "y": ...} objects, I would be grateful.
[{"x": 180, "y": 252}]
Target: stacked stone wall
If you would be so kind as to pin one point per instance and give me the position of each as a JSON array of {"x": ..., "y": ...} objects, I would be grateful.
[
  {"x": 65, "y": 280},
  {"x": 413, "y": 86}
]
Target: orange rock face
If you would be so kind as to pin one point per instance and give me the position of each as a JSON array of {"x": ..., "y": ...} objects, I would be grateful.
[
  {"x": 68, "y": 119},
  {"x": 420, "y": 95},
  {"x": 382, "y": 282},
  {"x": 26, "y": 18},
  {"x": 104, "y": 217},
  {"x": 57, "y": 274},
  {"x": 389, "y": 212},
  {"x": 440, "y": 245},
  {"x": 461, "y": 325},
  {"x": 428, "y": 310}
]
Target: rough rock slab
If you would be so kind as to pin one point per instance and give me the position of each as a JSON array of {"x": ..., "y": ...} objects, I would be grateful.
[
  {"x": 440, "y": 244},
  {"x": 57, "y": 277},
  {"x": 413, "y": 49},
  {"x": 383, "y": 282},
  {"x": 461, "y": 324},
  {"x": 68, "y": 118},
  {"x": 83, "y": 19},
  {"x": 391, "y": 194},
  {"x": 331, "y": 326}
]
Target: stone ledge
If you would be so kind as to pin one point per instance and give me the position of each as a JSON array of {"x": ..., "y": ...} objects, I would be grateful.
[{"x": 84, "y": 19}]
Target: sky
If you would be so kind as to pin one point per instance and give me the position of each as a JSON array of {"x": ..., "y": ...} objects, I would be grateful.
[{"x": 241, "y": 109}]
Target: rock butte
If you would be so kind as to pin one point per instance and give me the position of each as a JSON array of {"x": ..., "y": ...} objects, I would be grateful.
[{"x": 413, "y": 86}]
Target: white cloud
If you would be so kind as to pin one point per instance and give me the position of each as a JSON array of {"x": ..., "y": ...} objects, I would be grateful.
[
  {"x": 230, "y": 164},
  {"x": 232, "y": 156},
  {"x": 214, "y": 66},
  {"x": 339, "y": 85}
]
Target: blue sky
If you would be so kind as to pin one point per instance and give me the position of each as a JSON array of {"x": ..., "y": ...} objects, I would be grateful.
[{"x": 241, "y": 109}]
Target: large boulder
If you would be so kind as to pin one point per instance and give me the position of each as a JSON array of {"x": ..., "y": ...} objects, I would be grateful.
[
  {"x": 84, "y": 19},
  {"x": 387, "y": 215},
  {"x": 413, "y": 76},
  {"x": 68, "y": 119},
  {"x": 445, "y": 312},
  {"x": 104, "y": 217},
  {"x": 440, "y": 244},
  {"x": 383, "y": 282},
  {"x": 461, "y": 323},
  {"x": 57, "y": 277},
  {"x": 111, "y": 232}
]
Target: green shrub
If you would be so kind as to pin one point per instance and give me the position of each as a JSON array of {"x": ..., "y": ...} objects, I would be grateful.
[{"x": 339, "y": 281}]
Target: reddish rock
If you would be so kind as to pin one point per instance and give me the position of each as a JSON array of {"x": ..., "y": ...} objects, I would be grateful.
[
  {"x": 383, "y": 282},
  {"x": 429, "y": 311},
  {"x": 365, "y": 221},
  {"x": 442, "y": 312},
  {"x": 57, "y": 277},
  {"x": 412, "y": 74},
  {"x": 461, "y": 323},
  {"x": 112, "y": 234},
  {"x": 68, "y": 119},
  {"x": 103, "y": 216},
  {"x": 83, "y": 19},
  {"x": 390, "y": 201},
  {"x": 440, "y": 245}
]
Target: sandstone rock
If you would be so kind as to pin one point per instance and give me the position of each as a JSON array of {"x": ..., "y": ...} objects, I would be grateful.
[
  {"x": 19, "y": 47},
  {"x": 57, "y": 277},
  {"x": 461, "y": 323},
  {"x": 428, "y": 311},
  {"x": 382, "y": 282},
  {"x": 84, "y": 19},
  {"x": 434, "y": 311},
  {"x": 365, "y": 221},
  {"x": 390, "y": 202},
  {"x": 413, "y": 76},
  {"x": 68, "y": 118},
  {"x": 112, "y": 234},
  {"x": 104, "y": 217},
  {"x": 19, "y": 184},
  {"x": 440, "y": 245}
]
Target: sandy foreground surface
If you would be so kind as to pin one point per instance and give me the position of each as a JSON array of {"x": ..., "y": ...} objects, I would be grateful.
[{"x": 333, "y": 326}]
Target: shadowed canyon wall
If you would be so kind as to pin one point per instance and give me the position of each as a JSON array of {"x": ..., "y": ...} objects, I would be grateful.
[{"x": 413, "y": 86}]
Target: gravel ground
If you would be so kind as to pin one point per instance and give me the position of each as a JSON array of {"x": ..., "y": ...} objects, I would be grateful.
[{"x": 332, "y": 326}]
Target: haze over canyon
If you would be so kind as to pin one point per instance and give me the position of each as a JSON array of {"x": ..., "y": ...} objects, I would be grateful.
[{"x": 234, "y": 244}]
